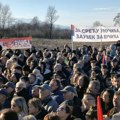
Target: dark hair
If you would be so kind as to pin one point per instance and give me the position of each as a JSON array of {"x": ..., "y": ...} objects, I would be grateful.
[
  {"x": 69, "y": 106},
  {"x": 25, "y": 78},
  {"x": 0, "y": 48},
  {"x": 111, "y": 94},
  {"x": 85, "y": 81},
  {"x": 68, "y": 110},
  {"x": 92, "y": 112},
  {"x": 116, "y": 76},
  {"x": 117, "y": 93},
  {"x": 17, "y": 75},
  {"x": 18, "y": 67},
  {"x": 26, "y": 68},
  {"x": 87, "y": 93},
  {"x": 9, "y": 114},
  {"x": 33, "y": 75},
  {"x": 51, "y": 116},
  {"x": 36, "y": 102},
  {"x": 57, "y": 82}
]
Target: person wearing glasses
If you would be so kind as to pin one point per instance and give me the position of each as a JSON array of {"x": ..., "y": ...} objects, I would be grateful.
[{"x": 20, "y": 90}]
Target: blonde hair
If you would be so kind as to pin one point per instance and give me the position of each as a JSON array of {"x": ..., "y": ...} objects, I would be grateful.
[
  {"x": 36, "y": 102},
  {"x": 21, "y": 103},
  {"x": 21, "y": 84},
  {"x": 29, "y": 117}
]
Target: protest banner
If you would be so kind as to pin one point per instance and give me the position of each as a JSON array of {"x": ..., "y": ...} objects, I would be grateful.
[
  {"x": 16, "y": 43},
  {"x": 96, "y": 34}
]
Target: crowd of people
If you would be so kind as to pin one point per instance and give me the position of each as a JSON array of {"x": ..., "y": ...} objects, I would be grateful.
[{"x": 60, "y": 84}]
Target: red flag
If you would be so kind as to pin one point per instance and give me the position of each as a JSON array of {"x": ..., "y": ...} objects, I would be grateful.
[
  {"x": 72, "y": 27},
  {"x": 104, "y": 60},
  {"x": 99, "y": 109},
  {"x": 72, "y": 30}
]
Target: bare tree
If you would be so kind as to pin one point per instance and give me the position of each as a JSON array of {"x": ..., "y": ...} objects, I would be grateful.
[
  {"x": 1, "y": 9},
  {"x": 97, "y": 24},
  {"x": 51, "y": 18},
  {"x": 117, "y": 20},
  {"x": 35, "y": 22},
  {"x": 5, "y": 17}
]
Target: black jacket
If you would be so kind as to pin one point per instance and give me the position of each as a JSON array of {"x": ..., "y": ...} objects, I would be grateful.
[{"x": 40, "y": 115}]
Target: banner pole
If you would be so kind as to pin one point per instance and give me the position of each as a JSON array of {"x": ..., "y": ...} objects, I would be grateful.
[
  {"x": 101, "y": 38},
  {"x": 72, "y": 43},
  {"x": 72, "y": 35}
]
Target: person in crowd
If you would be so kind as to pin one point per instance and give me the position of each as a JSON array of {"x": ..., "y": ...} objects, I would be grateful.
[
  {"x": 4, "y": 59},
  {"x": 56, "y": 93},
  {"x": 2, "y": 77},
  {"x": 17, "y": 69},
  {"x": 107, "y": 100},
  {"x": 33, "y": 64},
  {"x": 96, "y": 75},
  {"x": 32, "y": 82},
  {"x": 108, "y": 83},
  {"x": 93, "y": 62},
  {"x": 115, "y": 79},
  {"x": 8, "y": 114},
  {"x": 65, "y": 111},
  {"x": 116, "y": 105},
  {"x": 39, "y": 76},
  {"x": 29, "y": 59},
  {"x": 70, "y": 93},
  {"x": 10, "y": 87},
  {"x": 94, "y": 87},
  {"x": 52, "y": 116},
  {"x": 2, "y": 82},
  {"x": 26, "y": 70},
  {"x": 35, "y": 91},
  {"x": 21, "y": 59},
  {"x": 99, "y": 57},
  {"x": 39, "y": 54},
  {"x": 91, "y": 114},
  {"x": 45, "y": 68},
  {"x": 112, "y": 50},
  {"x": 114, "y": 65},
  {"x": 78, "y": 67},
  {"x": 18, "y": 104},
  {"x": 45, "y": 95},
  {"x": 88, "y": 101},
  {"x": 4, "y": 101},
  {"x": 57, "y": 67},
  {"x": 105, "y": 73},
  {"x": 25, "y": 79},
  {"x": 29, "y": 117},
  {"x": 35, "y": 108},
  {"x": 82, "y": 84},
  {"x": 20, "y": 90},
  {"x": 87, "y": 66},
  {"x": 26, "y": 53},
  {"x": 15, "y": 77},
  {"x": 74, "y": 78}
]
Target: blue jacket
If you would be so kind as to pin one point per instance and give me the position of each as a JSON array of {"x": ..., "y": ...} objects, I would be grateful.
[
  {"x": 49, "y": 104},
  {"x": 58, "y": 96}
]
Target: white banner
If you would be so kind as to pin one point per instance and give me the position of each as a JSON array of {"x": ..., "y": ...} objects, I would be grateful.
[{"x": 96, "y": 34}]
